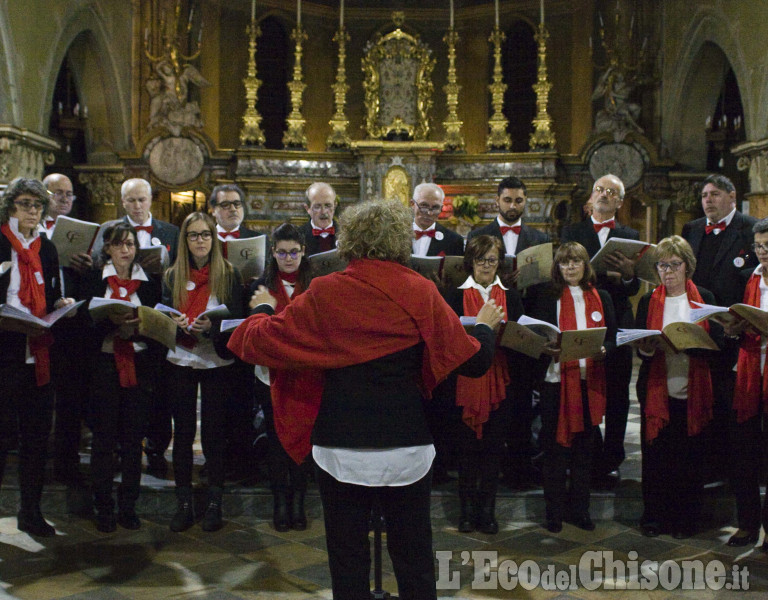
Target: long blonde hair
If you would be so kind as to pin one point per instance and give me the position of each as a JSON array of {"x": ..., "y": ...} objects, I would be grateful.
[{"x": 221, "y": 273}]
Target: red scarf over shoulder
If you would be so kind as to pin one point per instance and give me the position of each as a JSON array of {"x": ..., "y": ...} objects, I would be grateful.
[
  {"x": 479, "y": 396},
  {"x": 700, "y": 397},
  {"x": 124, "y": 353},
  {"x": 371, "y": 309},
  {"x": 570, "y": 420},
  {"x": 751, "y": 387},
  {"x": 32, "y": 295}
]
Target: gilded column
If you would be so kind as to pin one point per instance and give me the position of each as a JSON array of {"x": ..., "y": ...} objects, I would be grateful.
[
  {"x": 295, "y": 137},
  {"x": 251, "y": 133},
  {"x": 498, "y": 138},
  {"x": 339, "y": 138},
  {"x": 453, "y": 139},
  {"x": 542, "y": 138}
]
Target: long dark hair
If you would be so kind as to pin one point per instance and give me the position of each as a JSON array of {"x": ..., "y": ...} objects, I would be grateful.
[{"x": 287, "y": 232}]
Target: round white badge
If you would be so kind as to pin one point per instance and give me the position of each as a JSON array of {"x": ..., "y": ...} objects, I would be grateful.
[
  {"x": 122, "y": 291},
  {"x": 156, "y": 241},
  {"x": 438, "y": 235},
  {"x": 738, "y": 262},
  {"x": 596, "y": 316},
  {"x": 190, "y": 286}
]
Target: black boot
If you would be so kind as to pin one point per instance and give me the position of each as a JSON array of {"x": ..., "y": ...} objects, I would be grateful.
[
  {"x": 486, "y": 521},
  {"x": 185, "y": 514},
  {"x": 31, "y": 521},
  {"x": 280, "y": 517},
  {"x": 468, "y": 516},
  {"x": 298, "y": 517},
  {"x": 212, "y": 520}
]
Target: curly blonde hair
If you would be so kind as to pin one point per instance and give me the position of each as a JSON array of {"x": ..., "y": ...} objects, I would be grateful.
[{"x": 378, "y": 229}]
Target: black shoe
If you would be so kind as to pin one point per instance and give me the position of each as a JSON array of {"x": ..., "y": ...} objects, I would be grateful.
[
  {"x": 650, "y": 529},
  {"x": 280, "y": 517},
  {"x": 128, "y": 520},
  {"x": 106, "y": 522},
  {"x": 743, "y": 537},
  {"x": 212, "y": 520},
  {"x": 185, "y": 515},
  {"x": 486, "y": 517},
  {"x": 298, "y": 516},
  {"x": 157, "y": 466},
  {"x": 584, "y": 523},
  {"x": 468, "y": 515},
  {"x": 33, "y": 523},
  {"x": 553, "y": 525}
]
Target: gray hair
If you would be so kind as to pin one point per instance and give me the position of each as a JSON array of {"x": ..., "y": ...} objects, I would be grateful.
[
  {"x": 128, "y": 183},
  {"x": 16, "y": 188},
  {"x": 761, "y": 226},
  {"x": 431, "y": 187}
]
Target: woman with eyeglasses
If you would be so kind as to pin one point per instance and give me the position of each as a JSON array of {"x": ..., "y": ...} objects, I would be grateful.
[
  {"x": 485, "y": 402},
  {"x": 30, "y": 283},
  {"x": 124, "y": 377},
  {"x": 199, "y": 280},
  {"x": 750, "y": 403},
  {"x": 674, "y": 390},
  {"x": 572, "y": 394},
  {"x": 287, "y": 275}
]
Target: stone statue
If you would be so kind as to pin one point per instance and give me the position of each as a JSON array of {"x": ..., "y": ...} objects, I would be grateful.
[
  {"x": 618, "y": 115},
  {"x": 169, "y": 107}
]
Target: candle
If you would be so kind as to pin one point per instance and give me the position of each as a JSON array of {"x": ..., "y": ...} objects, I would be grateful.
[
  {"x": 191, "y": 13},
  {"x": 541, "y": 12},
  {"x": 590, "y": 43},
  {"x": 341, "y": 15},
  {"x": 253, "y": 10},
  {"x": 451, "y": 5},
  {"x": 496, "y": 3},
  {"x": 600, "y": 16},
  {"x": 298, "y": 13},
  {"x": 146, "y": 35}
]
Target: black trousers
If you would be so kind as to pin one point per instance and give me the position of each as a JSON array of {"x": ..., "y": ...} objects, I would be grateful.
[
  {"x": 118, "y": 417},
  {"x": 609, "y": 451},
  {"x": 672, "y": 472},
  {"x": 181, "y": 386},
  {"x": 561, "y": 501},
  {"x": 26, "y": 412},
  {"x": 406, "y": 510},
  {"x": 748, "y": 444}
]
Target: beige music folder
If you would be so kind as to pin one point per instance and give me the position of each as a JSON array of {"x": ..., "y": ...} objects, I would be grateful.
[
  {"x": 581, "y": 343},
  {"x": 248, "y": 255},
  {"x": 73, "y": 236},
  {"x": 534, "y": 265}
]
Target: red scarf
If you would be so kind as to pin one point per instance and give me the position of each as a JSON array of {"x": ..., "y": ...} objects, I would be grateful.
[
  {"x": 482, "y": 395},
  {"x": 197, "y": 298},
  {"x": 371, "y": 309},
  {"x": 700, "y": 395},
  {"x": 124, "y": 353},
  {"x": 32, "y": 295},
  {"x": 751, "y": 387},
  {"x": 570, "y": 420},
  {"x": 279, "y": 292}
]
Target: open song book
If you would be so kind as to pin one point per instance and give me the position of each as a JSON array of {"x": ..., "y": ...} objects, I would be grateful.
[
  {"x": 677, "y": 336},
  {"x": 725, "y": 315},
  {"x": 153, "y": 324},
  {"x": 14, "y": 319}
]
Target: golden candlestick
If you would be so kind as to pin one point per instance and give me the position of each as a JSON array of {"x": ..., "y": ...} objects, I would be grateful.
[
  {"x": 542, "y": 138},
  {"x": 498, "y": 138},
  {"x": 294, "y": 136},
  {"x": 453, "y": 138},
  {"x": 251, "y": 133},
  {"x": 339, "y": 138}
]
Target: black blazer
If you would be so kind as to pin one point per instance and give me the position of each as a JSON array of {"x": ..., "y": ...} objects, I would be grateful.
[
  {"x": 529, "y": 236},
  {"x": 584, "y": 233},
  {"x": 13, "y": 345},
  {"x": 452, "y": 243},
  {"x": 311, "y": 241},
  {"x": 167, "y": 233},
  {"x": 727, "y": 285}
]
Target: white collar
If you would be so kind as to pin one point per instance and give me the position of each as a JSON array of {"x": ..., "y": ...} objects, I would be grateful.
[
  {"x": 728, "y": 218},
  {"x": 417, "y": 228},
  {"x": 220, "y": 229},
  {"x": 147, "y": 223},
  {"x": 13, "y": 223},
  {"x": 311, "y": 222},
  {"x": 518, "y": 223},
  {"x": 596, "y": 222},
  {"x": 471, "y": 283},
  {"x": 138, "y": 272}
]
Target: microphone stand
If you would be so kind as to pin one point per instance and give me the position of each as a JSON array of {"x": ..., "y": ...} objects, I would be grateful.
[{"x": 378, "y": 519}]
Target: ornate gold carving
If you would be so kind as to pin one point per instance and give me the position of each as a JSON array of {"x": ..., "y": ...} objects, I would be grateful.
[
  {"x": 339, "y": 138},
  {"x": 103, "y": 183},
  {"x": 498, "y": 138},
  {"x": 251, "y": 133},
  {"x": 542, "y": 138},
  {"x": 398, "y": 86},
  {"x": 24, "y": 153},
  {"x": 453, "y": 138},
  {"x": 397, "y": 185},
  {"x": 294, "y": 136}
]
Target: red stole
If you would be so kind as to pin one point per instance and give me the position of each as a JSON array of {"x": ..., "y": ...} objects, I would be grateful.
[
  {"x": 700, "y": 397},
  {"x": 751, "y": 387},
  {"x": 32, "y": 295},
  {"x": 371, "y": 309},
  {"x": 279, "y": 292},
  {"x": 482, "y": 395},
  {"x": 570, "y": 420},
  {"x": 197, "y": 298},
  {"x": 124, "y": 353}
]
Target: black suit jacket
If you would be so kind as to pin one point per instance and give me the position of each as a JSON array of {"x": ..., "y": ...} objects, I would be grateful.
[
  {"x": 311, "y": 241},
  {"x": 728, "y": 285},
  {"x": 452, "y": 243},
  {"x": 167, "y": 233},
  {"x": 584, "y": 233},
  {"x": 529, "y": 236}
]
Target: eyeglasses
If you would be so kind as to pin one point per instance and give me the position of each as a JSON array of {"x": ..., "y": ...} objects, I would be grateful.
[
  {"x": 227, "y": 204},
  {"x": 571, "y": 264},
  {"x": 193, "y": 236},
  {"x": 28, "y": 205},
  {"x": 671, "y": 266},
  {"x": 491, "y": 262},
  {"x": 128, "y": 244},
  {"x": 61, "y": 195},
  {"x": 429, "y": 210},
  {"x": 760, "y": 247},
  {"x": 321, "y": 207},
  {"x": 610, "y": 192},
  {"x": 282, "y": 254}
]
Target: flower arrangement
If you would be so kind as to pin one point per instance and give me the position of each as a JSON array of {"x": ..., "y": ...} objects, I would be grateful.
[{"x": 466, "y": 208}]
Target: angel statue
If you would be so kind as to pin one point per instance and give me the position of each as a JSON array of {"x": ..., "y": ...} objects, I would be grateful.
[
  {"x": 618, "y": 115},
  {"x": 169, "y": 106}
]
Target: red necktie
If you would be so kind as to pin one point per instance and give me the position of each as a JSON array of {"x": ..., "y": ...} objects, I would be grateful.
[
  {"x": 719, "y": 226},
  {"x": 515, "y": 229},
  {"x": 147, "y": 228},
  {"x": 418, "y": 233},
  {"x": 49, "y": 224},
  {"x": 225, "y": 234},
  {"x": 328, "y": 230},
  {"x": 609, "y": 224}
]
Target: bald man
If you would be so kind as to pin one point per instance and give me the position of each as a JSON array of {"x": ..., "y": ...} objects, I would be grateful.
[{"x": 320, "y": 231}]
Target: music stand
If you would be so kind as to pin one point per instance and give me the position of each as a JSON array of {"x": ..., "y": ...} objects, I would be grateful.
[{"x": 378, "y": 520}]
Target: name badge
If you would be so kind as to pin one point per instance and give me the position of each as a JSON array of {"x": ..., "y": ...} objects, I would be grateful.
[
  {"x": 596, "y": 316},
  {"x": 438, "y": 235},
  {"x": 738, "y": 262},
  {"x": 156, "y": 241},
  {"x": 122, "y": 291},
  {"x": 190, "y": 286},
  {"x": 39, "y": 277}
]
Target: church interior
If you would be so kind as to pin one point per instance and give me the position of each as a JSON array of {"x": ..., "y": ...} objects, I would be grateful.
[{"x": 373, "y": 97}]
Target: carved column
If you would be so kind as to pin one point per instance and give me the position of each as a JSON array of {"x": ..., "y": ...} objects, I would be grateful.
[
  {"x": 23, "y": 154},
  {"x": 103, "y": 185}
]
